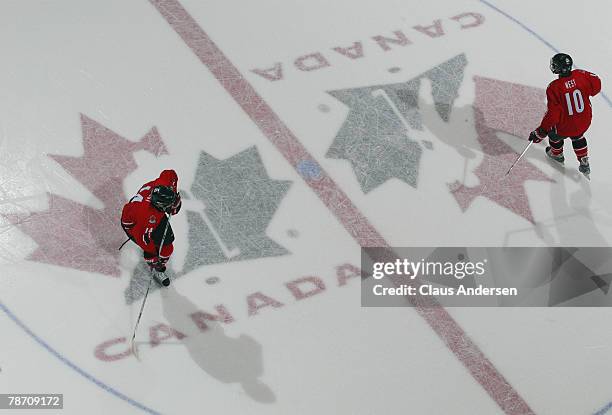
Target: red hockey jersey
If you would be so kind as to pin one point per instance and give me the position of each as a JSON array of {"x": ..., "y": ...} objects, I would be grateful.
[
  {"x": 139, "y": 218},
  {"x": 569, "y": 103}
]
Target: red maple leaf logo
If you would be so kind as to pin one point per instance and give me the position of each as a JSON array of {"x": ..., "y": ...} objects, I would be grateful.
[
  {"x": 77, "y": 236},
  {"x": 514, "y": 109}
]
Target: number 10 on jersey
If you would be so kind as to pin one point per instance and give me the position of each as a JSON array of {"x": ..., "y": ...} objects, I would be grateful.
[{"x": 577, "y": 104}]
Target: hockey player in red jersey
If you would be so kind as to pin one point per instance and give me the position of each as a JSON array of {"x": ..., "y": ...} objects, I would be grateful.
[
  {"x": 569, "y": 111},
  {"x": 145, "y": 216}
]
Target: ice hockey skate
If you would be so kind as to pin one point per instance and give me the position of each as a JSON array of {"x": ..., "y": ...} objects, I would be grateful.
[
  {"x": 161, "y": 277},
  {"x": 559, "y": 159},
  {"x": 158, "y": 271},
  {"x": 585, "y": 167}
]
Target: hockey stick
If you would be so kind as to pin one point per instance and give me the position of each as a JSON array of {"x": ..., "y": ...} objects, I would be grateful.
[
  {"x": 519, "y": 157},
  {"x": 126, "y": 241},
  {"x": 144, "y": 300}
]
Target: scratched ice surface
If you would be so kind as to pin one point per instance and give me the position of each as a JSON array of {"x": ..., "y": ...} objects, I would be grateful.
[{"x": 299, "y": 132}]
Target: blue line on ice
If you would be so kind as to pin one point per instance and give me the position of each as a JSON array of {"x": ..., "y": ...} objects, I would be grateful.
[
  {"x": 533, "y": 33},
  {"x": 74, "y": 367},
  {"x": 604, "y": 410}
]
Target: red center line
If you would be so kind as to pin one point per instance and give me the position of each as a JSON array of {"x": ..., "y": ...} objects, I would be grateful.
[{"x": 335, "y": 199}]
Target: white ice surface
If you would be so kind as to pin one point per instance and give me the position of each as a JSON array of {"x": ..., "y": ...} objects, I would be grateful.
[{"x": 121, "y": 64}]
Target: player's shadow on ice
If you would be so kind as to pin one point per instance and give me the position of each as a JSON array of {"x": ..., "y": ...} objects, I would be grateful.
[
  {"x": 469, "y": 134},
  {"x": 582, "y": 228},
  {"x": 227, "y": 359},
  {"x": 571, "y": 220},
  {"x": 458, "y": 132},
  {"x": 465, "y": 124}
]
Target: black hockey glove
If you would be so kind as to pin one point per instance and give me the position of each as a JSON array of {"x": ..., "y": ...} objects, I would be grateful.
[
  {"x": 176, "y": 206},
  {"x": 538, "y": 135}
]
